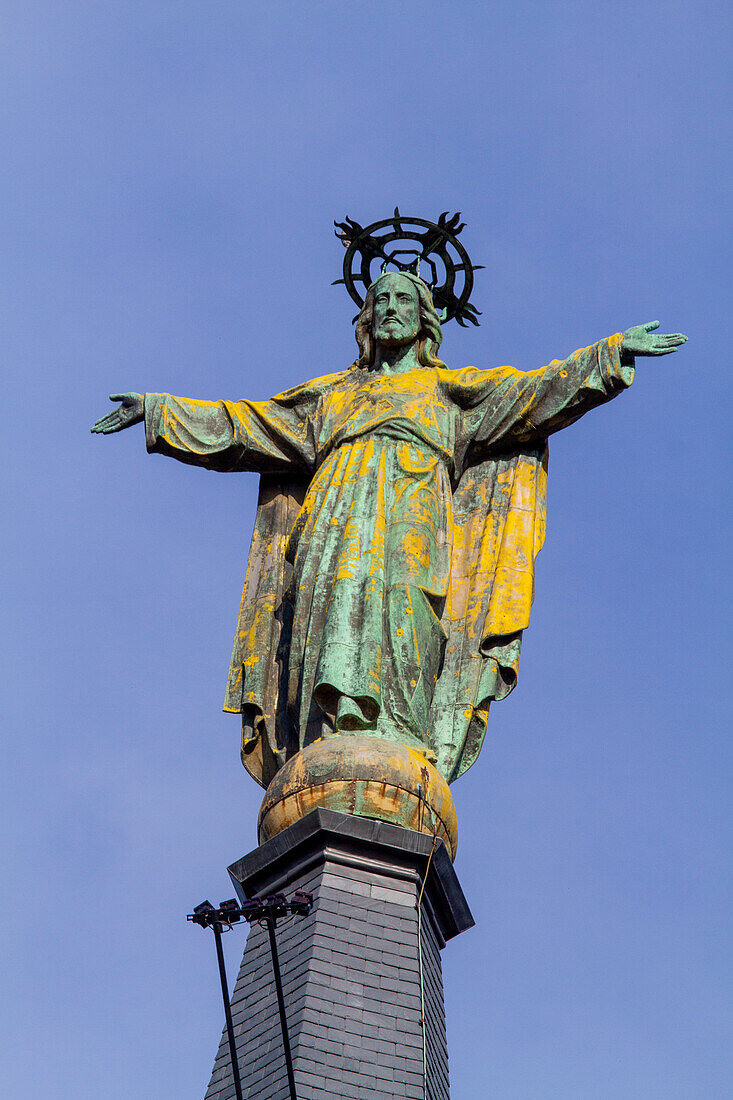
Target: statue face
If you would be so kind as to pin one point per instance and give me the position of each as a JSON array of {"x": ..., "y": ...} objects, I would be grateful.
[{"x": 396, "y": 311}]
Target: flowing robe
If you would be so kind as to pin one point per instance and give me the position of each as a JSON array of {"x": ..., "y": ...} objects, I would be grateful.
[{"x": 391, "y": 570}]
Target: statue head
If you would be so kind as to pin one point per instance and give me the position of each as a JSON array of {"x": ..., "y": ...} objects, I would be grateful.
[{"x": 398, "y": 309}]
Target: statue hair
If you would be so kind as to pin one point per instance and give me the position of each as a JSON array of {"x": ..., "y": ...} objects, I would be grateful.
[{"x": 429, "y": 338}]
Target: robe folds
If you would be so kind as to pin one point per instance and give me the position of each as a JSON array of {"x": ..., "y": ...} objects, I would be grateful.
[{"x": 391, "y": 570}]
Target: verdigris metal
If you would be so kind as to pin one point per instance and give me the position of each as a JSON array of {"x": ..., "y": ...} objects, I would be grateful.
[{"x": 401, "y": 508}]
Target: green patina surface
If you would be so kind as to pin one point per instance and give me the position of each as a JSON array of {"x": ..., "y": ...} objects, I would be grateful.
[{"x": 402, "y": 505}]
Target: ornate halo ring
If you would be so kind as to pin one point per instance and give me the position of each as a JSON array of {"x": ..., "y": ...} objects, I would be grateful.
[{"x": 405, "y": 244}]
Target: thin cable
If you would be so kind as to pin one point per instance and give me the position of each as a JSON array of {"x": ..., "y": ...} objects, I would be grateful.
[
  {"x": 422, "y": 1008},
  {"x": 420, "y": 961},
  {"x": 227, "y": 1011},
  {"x": 281, "y": 1007}
]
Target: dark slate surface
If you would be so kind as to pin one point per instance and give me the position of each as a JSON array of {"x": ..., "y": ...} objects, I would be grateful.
[
  {"x": 351, "y": 971},
  {"x": 327, "y": 830}
]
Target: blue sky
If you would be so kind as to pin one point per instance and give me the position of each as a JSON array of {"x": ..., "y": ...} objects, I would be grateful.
[{"x": 171, "y": 175}]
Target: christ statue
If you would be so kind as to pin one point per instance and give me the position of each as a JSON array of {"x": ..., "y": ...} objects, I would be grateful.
[{"x": 401, "y": 508}]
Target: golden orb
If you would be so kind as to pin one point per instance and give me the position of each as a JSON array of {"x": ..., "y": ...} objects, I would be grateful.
[{"x": 366, "y": 776}]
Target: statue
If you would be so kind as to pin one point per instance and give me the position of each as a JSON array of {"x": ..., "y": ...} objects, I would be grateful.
[{"x": 401, "y": 508}]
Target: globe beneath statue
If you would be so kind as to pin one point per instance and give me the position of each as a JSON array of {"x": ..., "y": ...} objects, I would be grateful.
[{"x": 366, "y": 776}]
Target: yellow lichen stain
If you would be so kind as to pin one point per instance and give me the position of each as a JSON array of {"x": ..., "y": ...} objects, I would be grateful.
[
  {"x": 347, "y": 565},
  {"x": 490, "y": 542}
]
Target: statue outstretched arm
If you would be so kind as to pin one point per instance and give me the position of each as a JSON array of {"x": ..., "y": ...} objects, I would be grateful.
[
  {"x": 264, "y": 436},
  {"x": 526, "y": 407}
]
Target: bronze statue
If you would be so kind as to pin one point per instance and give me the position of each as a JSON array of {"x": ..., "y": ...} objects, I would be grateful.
[{"x": 402, "y": 504}]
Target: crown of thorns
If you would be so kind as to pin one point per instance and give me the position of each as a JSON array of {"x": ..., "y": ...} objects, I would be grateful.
[{"x": 405, "y": 244}]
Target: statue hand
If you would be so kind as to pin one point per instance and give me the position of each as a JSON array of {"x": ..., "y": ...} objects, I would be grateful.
[
  {"x": 640, "y": 341},
  {"x": 131, "y": 411}
]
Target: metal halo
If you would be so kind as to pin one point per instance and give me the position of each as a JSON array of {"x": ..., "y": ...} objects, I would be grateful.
[{"x": 366, "y": 245}]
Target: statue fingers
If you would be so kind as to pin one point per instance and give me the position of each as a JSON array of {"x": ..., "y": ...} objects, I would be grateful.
[
  {"x": 114, "y": 426},
  {"x": 112, "y": 420},
  {"x": 107, "y": 423},
  {"x": 671, "y": 340},
  {"x": 649, "y": 326},
  {"x": 675, "y": 338}
]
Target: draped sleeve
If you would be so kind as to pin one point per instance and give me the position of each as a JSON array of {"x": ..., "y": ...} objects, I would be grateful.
[
  {"x": 505, "y": 408},
  {"x": 274, "y": 436},
  {"x": 505, "y": 417}
]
